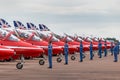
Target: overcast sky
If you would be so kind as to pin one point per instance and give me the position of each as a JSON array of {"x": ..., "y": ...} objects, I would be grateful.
[{"x": 90, "y": 17}]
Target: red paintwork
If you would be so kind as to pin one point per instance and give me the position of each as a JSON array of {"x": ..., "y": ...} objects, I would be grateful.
[
  {"x": 71, "y": 48},
  {"x": 76, "y": 44},
  {"x": 44, "y": 45},
  {"x": 21, "y": 48},
  {"x": 61, "y": 44},
  {"x": 95, "y": 47},
  {"x": 40, "y": 43},
  {"x": 96, "y": 43},
  {"x": 108, "y": 44},
  {"x": 6, "y": 53}
]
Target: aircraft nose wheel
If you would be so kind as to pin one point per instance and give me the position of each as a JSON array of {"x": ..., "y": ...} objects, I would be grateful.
[
  {"x": 73, "y": 57},
  {"x": 93, "y": 55},
  {"x": 19, "y": 65},
  {"x": 59, "y": 59},
  {"x": 41, "y": 62},
  {"x": 83, "y": 56}
]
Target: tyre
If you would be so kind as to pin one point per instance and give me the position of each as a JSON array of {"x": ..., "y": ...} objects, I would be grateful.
[
  {"x": 59, "y": 60},
  {"x": 41, "y": 62},
  {"x": 73, "y": 57},
  {"x": 83, "y": 56},
  {"x": 19, "y": 66},
  {"x": 93, "y": 55}
]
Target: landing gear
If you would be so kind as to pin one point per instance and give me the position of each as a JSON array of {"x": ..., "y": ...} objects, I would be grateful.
[
  {"x": 19, "y": 65},
  {"x": 41, "y": 62},
  {"x": 83, "y": 55},
  {"x": 59, "y": 59},
  {"x": 93, "y": 55},
  {"x": 73, "y": 57},
  {"x": 45, "y": 57}
]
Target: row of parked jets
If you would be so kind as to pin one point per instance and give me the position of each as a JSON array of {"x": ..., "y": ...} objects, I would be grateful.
[{"x": 20, "y": 42}]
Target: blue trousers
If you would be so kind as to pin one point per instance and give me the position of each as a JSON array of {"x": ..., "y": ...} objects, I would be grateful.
[
  {"x": 81, "y": 56},
  {"x": 50, "y": 61},
  {"x": 115, "y": 56},
  {"x": 111, "y": 51},
  {"x": 100, "y": 53},
  {"x": 66, "y": 58},
  {"x": 105, "y": 51},
  {"x": 91, "y": 55}
]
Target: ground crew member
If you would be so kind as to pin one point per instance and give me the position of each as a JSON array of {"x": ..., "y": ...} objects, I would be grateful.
[
  {"x": 111, "y": 49},
  {"x": 118, "y": 47},
  {"x": 115, "y": 52},
  {"x": 66, "y": 52},
  {"x": 100, "y": 49},
  {"x": 81, "y": 51},
  {"x": 91, "y": 51},
  {"x": 105, "y": 50},
  {"x": 50, "y": 54}
]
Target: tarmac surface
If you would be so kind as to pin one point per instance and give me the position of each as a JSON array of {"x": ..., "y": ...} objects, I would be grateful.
[{"x": 97, "y": 69}]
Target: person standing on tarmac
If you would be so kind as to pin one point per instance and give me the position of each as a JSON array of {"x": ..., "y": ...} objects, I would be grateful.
[
  {"x": 100, "y": 49},
  {"x": 118, "y": 47},
  {"x": 105, "y": 50},
  {"x": 81, "y": 51},
  {"x": 111, "y": 49},
  {"x": 115, "y": 52},
  {"x": 66, "y": 52},
  {"x": 50, "y": 54},
  {"x": 91, "y": 51}
]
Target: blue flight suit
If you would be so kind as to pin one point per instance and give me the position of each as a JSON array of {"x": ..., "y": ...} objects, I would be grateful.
[
  {"x": 111, "y": 49},
  {"x": 50, "y": 55},
  {"x": 91, "y": 51},
  {"x": 100, "y": 50},
  {"x": 118, "y": 48},
  {"x": 81, "y": 52},
  {"x": 105, "y": 50},
  {"x": 66, "y": 53},
  {"x": 115, "y": 53}
]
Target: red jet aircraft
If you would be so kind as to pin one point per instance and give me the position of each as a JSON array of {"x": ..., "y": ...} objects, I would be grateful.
[
  {"x": 30, "y": 37},
  {"x": 21, "y": 48},
  {"x": 47, "y": 36},
  {"x": 78, "y": 39},
  {"x": 35, "y": 40}
]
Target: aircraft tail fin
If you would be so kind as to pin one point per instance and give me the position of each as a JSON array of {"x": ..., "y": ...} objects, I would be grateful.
[
  {"x": 43, "y": 27},
  {"x": 4, "y": 24},
  {"x": 31, "y": 26},
  {"x": 18, "y": 25}
]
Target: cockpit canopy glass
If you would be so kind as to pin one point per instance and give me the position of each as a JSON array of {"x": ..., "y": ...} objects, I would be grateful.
[
  {"x": 4, "y": 33},
  {"x": 26, "y": 35}
]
